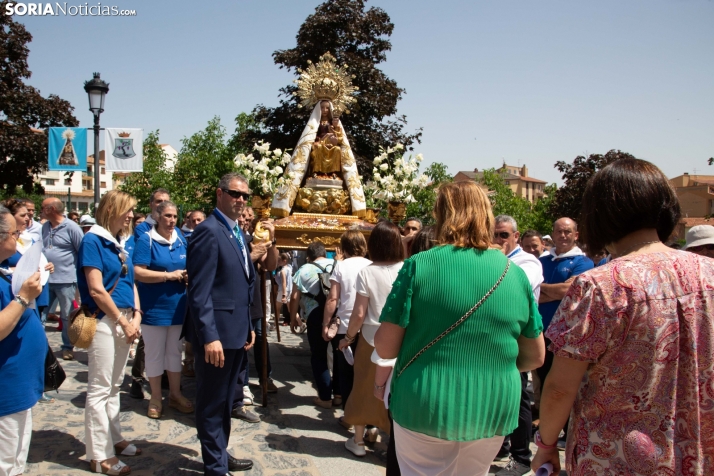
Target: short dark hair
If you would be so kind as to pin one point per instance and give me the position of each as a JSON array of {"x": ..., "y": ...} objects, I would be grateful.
[
  {"x": 531, "y": 233},
  {"x": 421, "y": 225},
  {"x": 625, "y": 196},
  {"x": 385, "y": 243},
  {"x": 316, "y": 250},
  {"x": 353, "y": 243},
  {"x": 158, "y": 191},
  {"x": 424, "y": 240}
]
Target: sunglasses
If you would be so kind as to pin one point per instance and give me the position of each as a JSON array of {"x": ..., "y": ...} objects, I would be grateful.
[
  {"x": 237, "y": 194},
  {"x": 504, "y": 235},
  {"x": 709, "y": 247},
  {"x": 124, "y": 269}
]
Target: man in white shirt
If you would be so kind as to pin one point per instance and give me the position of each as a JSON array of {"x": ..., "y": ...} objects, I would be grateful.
[
  {"x": 506, "y": 235},
  {"x": 34, "y": 228}
]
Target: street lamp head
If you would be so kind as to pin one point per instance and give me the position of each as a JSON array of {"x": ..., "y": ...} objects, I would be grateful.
[{"x": 97, "y": 90}]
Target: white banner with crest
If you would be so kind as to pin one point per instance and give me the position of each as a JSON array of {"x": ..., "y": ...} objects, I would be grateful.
[{"x": 124, "y": 149}]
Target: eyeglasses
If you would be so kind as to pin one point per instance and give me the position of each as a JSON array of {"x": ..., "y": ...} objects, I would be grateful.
[
  {"x": 15, "y": 233},
  {"x": 237, "y": 194},
  {"x": 504, "y": 235}
]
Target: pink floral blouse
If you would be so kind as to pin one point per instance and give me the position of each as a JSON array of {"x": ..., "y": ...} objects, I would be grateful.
[{"x": 646, "y": 403}]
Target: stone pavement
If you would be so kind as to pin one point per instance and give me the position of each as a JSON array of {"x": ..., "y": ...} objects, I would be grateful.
[{"x": 294, "y": 437}]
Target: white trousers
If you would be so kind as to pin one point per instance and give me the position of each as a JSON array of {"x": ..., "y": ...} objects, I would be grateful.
[
  {"x": 107, "y": 357},
  {"x": 162, "y": 349},
  {"x": 15, "y": 433},
  {"x": 422, "y": 455}
]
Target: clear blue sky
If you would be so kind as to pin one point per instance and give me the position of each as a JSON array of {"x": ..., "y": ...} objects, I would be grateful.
[{"x": 516, "y": 80}]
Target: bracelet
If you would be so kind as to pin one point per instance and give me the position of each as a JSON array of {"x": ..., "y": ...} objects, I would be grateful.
[
  {"x": 539, "y": 443},
  {"x": 350, "y": 339},
  {"x": 22, "y": 301},
  {"x": 379, "y": 387},
  {"x": 135, "y": 310}
]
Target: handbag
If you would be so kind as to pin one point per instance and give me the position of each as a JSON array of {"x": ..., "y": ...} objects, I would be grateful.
[
  {"x": 54, "y": 373},
  {"x": 83, "y": 324},
  {"x": 459, "y": 322}
]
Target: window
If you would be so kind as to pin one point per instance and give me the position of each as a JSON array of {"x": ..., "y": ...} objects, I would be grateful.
[
  {"x": 87, "y": 184},
  {"x": 103, "y": 171},
  {"x": 508, "y": 182},
  {"x": 49, "y": 181},
  {"x": 68, "y": 181},
  {"x": 83, "y": 206},
  {"x": 89, "y": 170},
  {"x": 102, "y": 185}
]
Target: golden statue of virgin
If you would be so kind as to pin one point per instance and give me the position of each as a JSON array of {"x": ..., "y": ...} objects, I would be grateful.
[{"x": 323, "y": 172}]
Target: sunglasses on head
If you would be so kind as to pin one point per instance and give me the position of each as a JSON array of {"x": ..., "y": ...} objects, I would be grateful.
[
  {"x": 237, "y": 194},
  {"x": 504, "y": 235},
  {"x": 708, "y": 247}
]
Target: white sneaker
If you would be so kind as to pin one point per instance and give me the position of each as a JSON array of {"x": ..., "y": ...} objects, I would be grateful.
[
  {"x": 355, "y": 448},
  {"x": 247, "y": 396}
]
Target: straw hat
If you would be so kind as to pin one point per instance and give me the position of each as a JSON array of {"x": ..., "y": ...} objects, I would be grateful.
[
  {"x": 700, "y": 235},
  {"x": 82, "y": 328}
]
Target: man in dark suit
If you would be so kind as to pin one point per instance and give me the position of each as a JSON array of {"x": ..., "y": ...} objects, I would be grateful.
[{"x": 221, "y": 280}]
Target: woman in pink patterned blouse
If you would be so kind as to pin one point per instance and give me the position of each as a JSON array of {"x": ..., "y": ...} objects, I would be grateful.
[{"x": 633, "y": 340}]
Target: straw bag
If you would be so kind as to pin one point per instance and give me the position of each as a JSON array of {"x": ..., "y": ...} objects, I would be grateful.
[{"x": 83, "y": 324}]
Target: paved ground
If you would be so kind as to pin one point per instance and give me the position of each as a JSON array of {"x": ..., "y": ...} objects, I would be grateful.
[{"x": 294, "y": 439}]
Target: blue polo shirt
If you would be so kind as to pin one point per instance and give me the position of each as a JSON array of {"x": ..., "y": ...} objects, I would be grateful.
[
  {"x": 22, "y": 359},
  {"x": 164, "y": 304},
  {"x": 556, "y": 272},
  {"x": 97, "y": 252}
]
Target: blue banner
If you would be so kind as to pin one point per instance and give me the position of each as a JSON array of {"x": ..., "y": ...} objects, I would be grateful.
[{"x": 67, "y": 148}]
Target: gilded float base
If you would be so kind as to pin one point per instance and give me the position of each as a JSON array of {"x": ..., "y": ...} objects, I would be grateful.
[{"x": 299, "y": 230}]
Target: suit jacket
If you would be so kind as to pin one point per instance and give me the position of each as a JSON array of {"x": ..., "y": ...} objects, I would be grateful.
[{"x": 220, "y": 288}]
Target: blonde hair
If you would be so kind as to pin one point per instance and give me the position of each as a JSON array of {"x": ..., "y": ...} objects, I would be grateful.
[
  {"x": 463, "y": 216},
  {"x": 112, "y": 205}
]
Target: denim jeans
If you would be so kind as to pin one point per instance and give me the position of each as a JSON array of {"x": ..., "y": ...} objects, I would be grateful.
[{"x": 64, "y": 294}]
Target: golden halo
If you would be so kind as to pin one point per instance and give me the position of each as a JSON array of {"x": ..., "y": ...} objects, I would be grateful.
[{"x": 326, "y": 81}]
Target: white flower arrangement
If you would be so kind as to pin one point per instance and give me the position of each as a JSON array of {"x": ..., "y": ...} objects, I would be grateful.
[
  {"x": 263, "y": 168},
  {"x": 398, "y": 179}
]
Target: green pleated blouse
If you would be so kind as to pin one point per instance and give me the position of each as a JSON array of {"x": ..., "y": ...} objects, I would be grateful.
[{"x": 467, "y": 386}]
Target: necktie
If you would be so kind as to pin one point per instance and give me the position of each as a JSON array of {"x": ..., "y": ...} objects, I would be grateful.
[{"x": 239, "y": 238}]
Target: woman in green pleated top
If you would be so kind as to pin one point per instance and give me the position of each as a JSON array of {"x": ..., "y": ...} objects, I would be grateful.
[{"x": 456, "y": 401}]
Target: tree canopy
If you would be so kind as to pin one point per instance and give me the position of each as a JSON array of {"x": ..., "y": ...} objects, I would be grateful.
[
  {"x": 23, "y": 112},
  {"x": 568, "y": 198},
  {"x": 357, "y": 37}
]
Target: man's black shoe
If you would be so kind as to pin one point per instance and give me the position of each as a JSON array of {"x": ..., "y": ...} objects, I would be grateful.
[
  {"x": 235, "y": 464},
  {"x": 245, "y": 414},
  {"x": 136, "y": 391}
]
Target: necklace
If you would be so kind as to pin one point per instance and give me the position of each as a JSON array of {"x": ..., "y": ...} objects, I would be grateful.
[{"x": 642, "y": 243}]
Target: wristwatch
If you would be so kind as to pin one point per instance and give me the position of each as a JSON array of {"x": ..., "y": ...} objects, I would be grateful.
[{"x": 21, "y": 301}]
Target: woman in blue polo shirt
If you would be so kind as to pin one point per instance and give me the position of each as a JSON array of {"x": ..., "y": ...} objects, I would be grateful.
[
  {"x": 160, "y": 267},
  {"x": 105, "y": 279},
  {"x": 23, "y": 347}
]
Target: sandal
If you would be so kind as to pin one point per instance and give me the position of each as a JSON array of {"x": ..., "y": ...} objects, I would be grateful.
[
  {"x": 46, "y": 399},
  {"x": 182, "y": 404},
  {"x": 115, "y": 470},
  {"x": 154, "y": 409},
  {"x": 129, "y": 450}
]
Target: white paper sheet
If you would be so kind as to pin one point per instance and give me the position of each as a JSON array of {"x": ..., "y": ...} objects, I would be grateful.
[{"x": 28, "y": 265}]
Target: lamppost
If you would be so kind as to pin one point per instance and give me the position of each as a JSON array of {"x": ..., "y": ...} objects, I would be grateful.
[{"x": 96, "y": 90}]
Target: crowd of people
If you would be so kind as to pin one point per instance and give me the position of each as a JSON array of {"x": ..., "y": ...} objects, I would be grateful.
[{"x": 457, "y": 340}]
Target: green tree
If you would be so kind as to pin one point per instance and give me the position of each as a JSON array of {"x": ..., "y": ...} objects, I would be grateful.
[
  {"x": 360, "y": 39},
  {"x": 568, "y": 198},
  {"x": 425, "y": 198},
  {"x": 155, "y": 174},
  {"x": 203, "y": 159},
  {"x": 504, "y": 201},
  {"x": 23, "y": 112}
]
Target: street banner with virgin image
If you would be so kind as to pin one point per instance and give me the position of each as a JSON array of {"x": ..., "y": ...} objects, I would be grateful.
[
  {"x": 124, "y": 149},
  {"x": 67, "y": 148}
]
